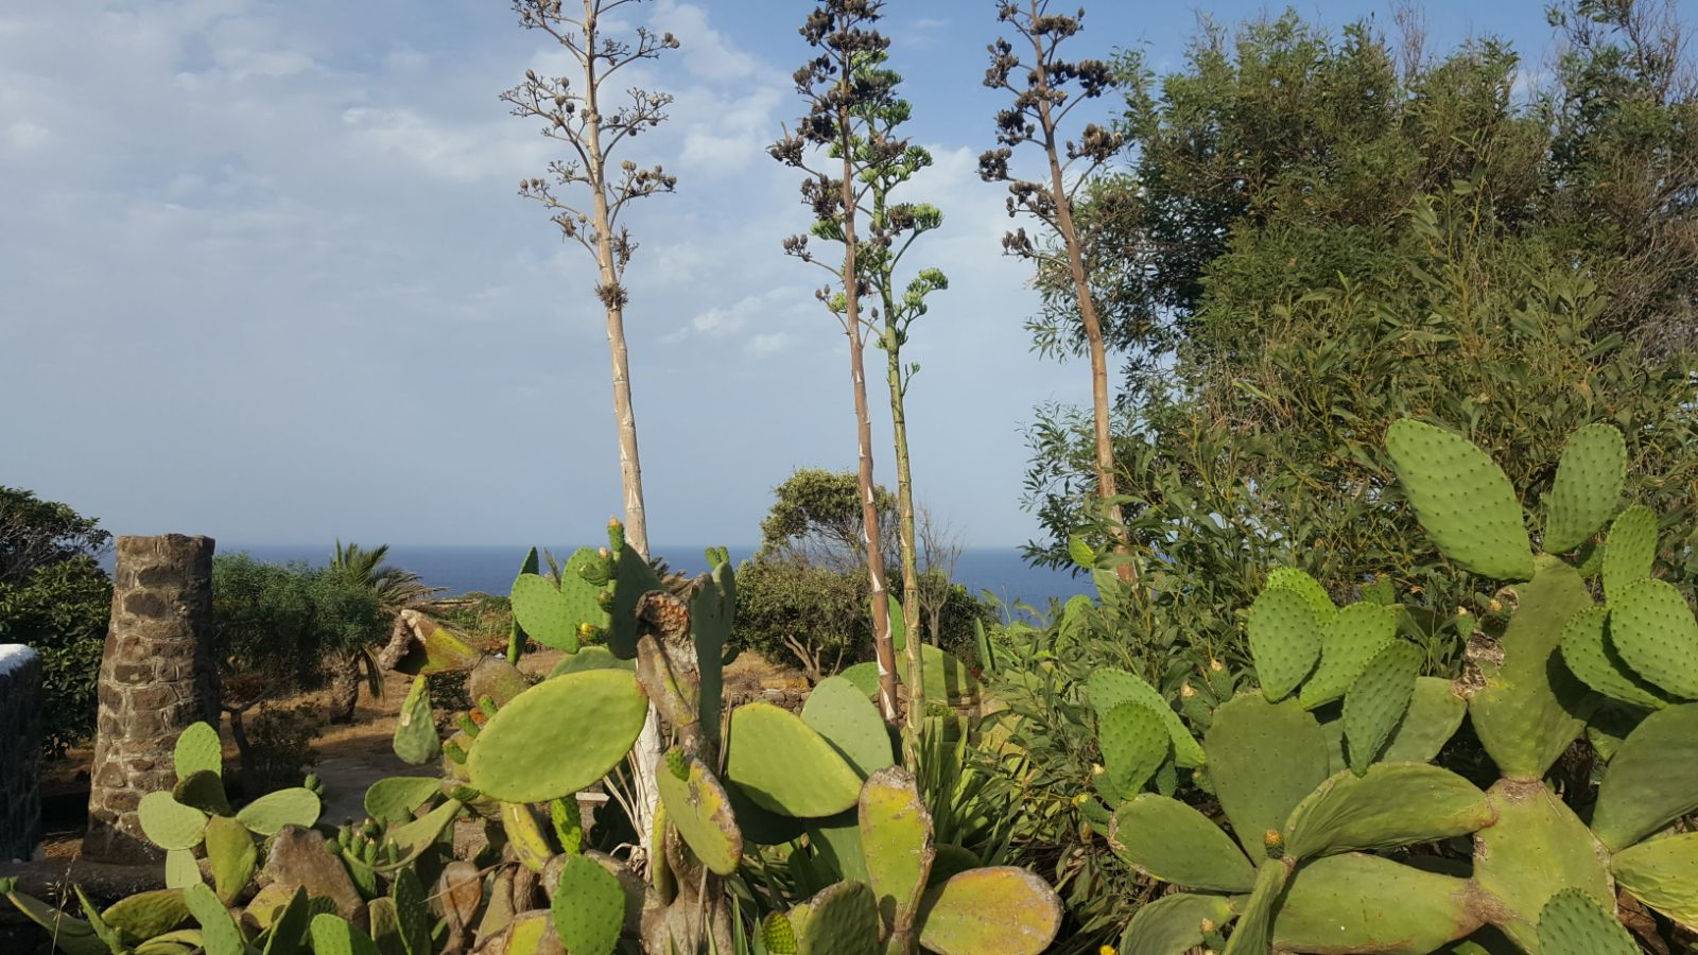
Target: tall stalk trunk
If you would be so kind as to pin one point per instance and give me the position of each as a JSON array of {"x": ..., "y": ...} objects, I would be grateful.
[
  {"x": 344, "y": 692},
  {"x": 905, "y": 534},
  {"x": 1092, "y": 321},
  {"x": 646, "y": 753},
  {"x": 882, "y": 650}
]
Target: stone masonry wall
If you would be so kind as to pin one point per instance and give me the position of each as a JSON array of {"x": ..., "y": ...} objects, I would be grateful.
[
  {"x": 156, "y": 678},
  {"x": 20, "y": 739}
]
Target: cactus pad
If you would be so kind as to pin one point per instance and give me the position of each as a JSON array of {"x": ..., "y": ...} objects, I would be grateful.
[
  {"x": 588, "y": 907},
  {"x": 896, "y": 845},
  {"x": 1590, "y": 655},
  {"x": 232, "y": 854},
  {"x": 1285, "y": 640},
  {"x": 713, "y": 610},
  {"x": 1530, "y": 707},
  {"x": 841, "y": 920},
  {"x": 1362, "y": 903},
  {"x": 1377, "y": 701},
  {"x": 525, "y": 836},
  {"x": 550, "y": 615},
  {"x": 1587, "y": 487},
  {"x": 1630, "y": 550},
  {"x": 778, "y": 936},
  {"x": 840, "y": 712},
  {"x": 145, "y": 915},
  {"x": 395, "y": 798},
  {"x": 1652, "y": 780},
  {"x": 203, "y": 790},
  {"x": 181, "y": 870},
  {"x": 1168, "y": 840},
  {"x": 415, "y": 740},
  {"x": 590, "y": 658},
  {"x": 1654, "y": 631},
  {"x": 1435, "y": 712},
  {"x": 1310, "y": 589},
  {"x": 1107, "y": 688},
  {"x": 168, "y": 823},
  {"x": 784, "y": 766},
  {"x": 267, "y": 815},
  {"x": 1464, "y": 500},
  {"x": 1574, "y": 923},
  {"x": 1134, "y": 744},
  {"x": 496, "y": 679},
  {"x": 994, "y": 911},
  {"x": 1663, "y": 874},
  {"x": 1171, "y": 925},
  {"x": 218, "y": 930},
  {"x": 1394, "y": 804},
  {"x": 198, "y": 749},
  {"x": 1348, "y": 642},
  {"x": 558, "y": 736},
  {"x": 1537, "y": 847},
  {"x": 1264, "y": 758},
  {"x": 945, "y": 676},
  {"x": 334, "y": 935},
  {"x": 699, "y": 808},
  {"x": 1254, "y": 933}
]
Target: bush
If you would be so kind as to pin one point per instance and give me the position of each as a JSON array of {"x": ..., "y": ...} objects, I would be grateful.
[
  {"x": 279, "y": 751},
  {"x": 815, "y": 616}
]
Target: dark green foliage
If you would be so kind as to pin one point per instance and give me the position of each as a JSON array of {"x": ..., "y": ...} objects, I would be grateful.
[{"x": 55, "y": 598}]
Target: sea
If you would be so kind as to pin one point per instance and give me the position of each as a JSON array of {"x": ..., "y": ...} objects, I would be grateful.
[{"x": 999, "y": 571}]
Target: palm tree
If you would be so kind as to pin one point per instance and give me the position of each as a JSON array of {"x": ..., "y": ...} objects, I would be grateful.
[{"x": 396, "y": 589}]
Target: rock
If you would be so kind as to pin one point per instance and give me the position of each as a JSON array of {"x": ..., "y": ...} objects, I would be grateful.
[{"x": 299, "y": 859}]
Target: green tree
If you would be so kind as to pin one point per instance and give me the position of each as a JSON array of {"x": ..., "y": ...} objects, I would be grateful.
[
  {"x": 55, "y": 597},
  {"x": 840, "y": 99},
  {"x": 816, "y": 517},
  {"x": 394, "y": 590}
]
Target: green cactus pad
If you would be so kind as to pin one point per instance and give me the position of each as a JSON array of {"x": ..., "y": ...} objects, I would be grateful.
[
  {"x": 588, "y": 907},
  {"x": 415, "y": 837},
  {"x": 558, "y": 736},
  {"x": 73, "y": 936},
  {"x": 1172, "y": 924},
  {"x": 232, "y": 854},
  {"x": 444, "y": 651},
  {"x": 835, "y": 845},
  {"x": 700, "y": 810},
  {"x": 146, "y": 915},
  {"x": 1394, "y": 804},
  {"x": 1537, "y": 847},
  {"x": 1590, "y": 655},
  {"x": 395, "y": 798},
  {"x": 1587, "y": 487},
  {"x": 525, "y": 838},
  {"x": 532, "y": 933},
  {"x": 1254, "y": 933},
  {"x": 1630, "y": 551},
  {"x": 203, "y": 790},
  {"x": 759, "y": 826},
  {"x": 945, "y": 676},
  {"x": 385, "y": 925},
  {"x": 632, "y": 577},
  {"x": 1464, "y": 500},
  {"x": 1377, "y": 700},
  {"x": 1134, "y": 743},
  {"x": 841, "y": 920},
  {"x": 784, "y": 766},
  {"x": 1575, "y": 923},
  {"x": 1652, "y": 780},
  {"x": 295, "y": 806},
  {"x": 993, "y": 911},
  {"x": 1263, "y": 759},
  {"x": 1168, "y": 840},
  {"x": 415, "y": 740},
  {"x": 168, "y": 823},
  {"x": 778, "y": 936},
  {"x": 550, "y": 615},
  {"x": 1654, "y": 631},
  {"x": 896, "y": 844},
  {"x": 218, "y": 930},
  {"x": 181, "y": 870},
  {"x": 1531, "y": 707},
  {"x": 864, "y": 676},
  {"x": 1107, "y": 688},
  {"x": 1435, "y": 712},
  {"x": 334, "y": 935},
  {"x": 413, "y": 910},
  {"x": 840, "y": 712},
  {"x": 287, "y": 929},
  {"x": 590, "y": 658},
  {"x": 1348, "y": 642},
  {"x": 1362, "y": 903},
  {"x": 496, "y": 679},
  {"x": 713, "y": 611},
  {"x": 1663, "y": 874},
  {"x": 198, "y": 749},
  {"x": 1285, "y": 641},
  {"x": 1310, "y": 589}
]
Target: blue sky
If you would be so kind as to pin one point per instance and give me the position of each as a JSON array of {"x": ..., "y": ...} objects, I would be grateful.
[{"x": 264, "y": 274}]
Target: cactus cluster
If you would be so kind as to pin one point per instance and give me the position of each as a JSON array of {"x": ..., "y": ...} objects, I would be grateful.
[{"x": 1322, "y": 774}]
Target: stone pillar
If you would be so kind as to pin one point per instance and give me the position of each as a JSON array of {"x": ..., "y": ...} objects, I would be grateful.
[
  {"x": 156, "y": 678},
  {"x": 20, "y": 750}
]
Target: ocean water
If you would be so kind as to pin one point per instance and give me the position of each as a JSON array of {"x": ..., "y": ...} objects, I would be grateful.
[{"x": 461, "y": 569}]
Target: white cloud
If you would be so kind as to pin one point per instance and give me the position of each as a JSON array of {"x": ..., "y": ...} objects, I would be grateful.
[
  {"x": 24, "y": 135},
  {"x": 768, "y": 343}
]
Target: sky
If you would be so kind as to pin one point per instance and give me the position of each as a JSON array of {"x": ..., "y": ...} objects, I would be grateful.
[{"x": 265, "y": 275}]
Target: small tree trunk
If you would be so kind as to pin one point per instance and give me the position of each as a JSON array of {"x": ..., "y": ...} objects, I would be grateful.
[{"x": 344, "y": 692}]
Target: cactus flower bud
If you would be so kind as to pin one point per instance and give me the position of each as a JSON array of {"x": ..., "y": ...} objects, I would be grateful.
[
  {"x": 1275, "y": 844},
  {"x": 1080, "y": 799},
  {"x": 1216, "y": 665},
  {"x": 1107, "y": 950},
  {"x": 1187, "y": 691},
  {"x": 1097, "y": 769},
  {"x": 1207, "y": 926}
]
